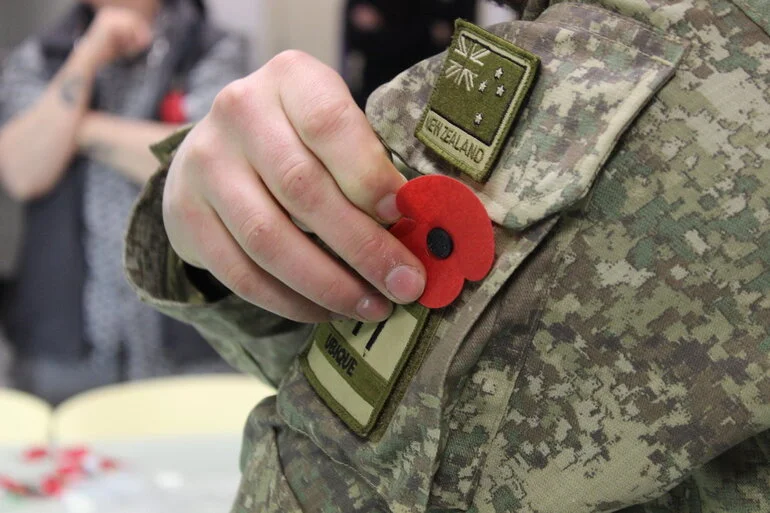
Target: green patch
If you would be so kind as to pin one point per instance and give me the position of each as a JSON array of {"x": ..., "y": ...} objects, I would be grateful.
[
  {"x": 477, "y": 96},
  {"x": 765, "y": 345},
  {"x": 355, "y": 367}
]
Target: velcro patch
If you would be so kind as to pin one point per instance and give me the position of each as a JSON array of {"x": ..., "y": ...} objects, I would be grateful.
[
  {"x": 355, "y": 367},
  {"x": 476, "y": 98}
]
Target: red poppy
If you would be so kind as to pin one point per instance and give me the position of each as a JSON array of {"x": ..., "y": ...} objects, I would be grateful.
[
  {"x": 74, "y": 454},
  {"x": 172, "y": 109},
  {"x": 51, "y": 486},
  {"x": 446, "y": 226},
  {"x": 35, "y": 453},
  {"x": 12, "y": 486},
  {"x": 69, "y": 470}
]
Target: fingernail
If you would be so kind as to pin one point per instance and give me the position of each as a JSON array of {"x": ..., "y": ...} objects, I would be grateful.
[
  {"x": 387, "y": 210},
  {"x": 374, "y": 308},
  {"x": 405, "y": 283}
]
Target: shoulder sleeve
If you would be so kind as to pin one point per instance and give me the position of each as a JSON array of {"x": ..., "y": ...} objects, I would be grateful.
[
  {"x": 22, "y": 81},
  {"x": 224, "y": 62},
  {"x": 250, "y": 339}
]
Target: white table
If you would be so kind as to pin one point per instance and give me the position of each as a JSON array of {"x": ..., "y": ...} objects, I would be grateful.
[{"x": 163, "y": 475}]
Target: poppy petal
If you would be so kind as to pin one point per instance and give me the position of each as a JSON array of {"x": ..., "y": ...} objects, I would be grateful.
[
  {"x": 439, "y": 202},
  {"x": 442, "y": 285}
]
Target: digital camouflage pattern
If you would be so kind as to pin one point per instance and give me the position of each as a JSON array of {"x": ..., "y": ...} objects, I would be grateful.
[{"x": 618, "y": 356}]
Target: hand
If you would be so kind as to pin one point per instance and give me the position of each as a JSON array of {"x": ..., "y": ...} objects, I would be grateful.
[
  {"x": 288, "y": 143},
  {"x": 116, "y": 33}
]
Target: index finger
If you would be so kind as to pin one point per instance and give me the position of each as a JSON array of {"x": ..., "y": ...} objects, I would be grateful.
[{"x": 337, "y": 132}]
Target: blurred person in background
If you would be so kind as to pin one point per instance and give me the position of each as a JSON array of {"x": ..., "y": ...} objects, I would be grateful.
[
  {"x": 384, "y": 37},
  {"x": 6, "y": 359},
  {"x": 10, "y": 226},
  {"x": 81, "y": 103}
]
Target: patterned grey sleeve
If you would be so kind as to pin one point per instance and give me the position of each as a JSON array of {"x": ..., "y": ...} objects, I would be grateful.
[
  {"x": 22, "y": 81},
  {"x": 225, "y": 62}
]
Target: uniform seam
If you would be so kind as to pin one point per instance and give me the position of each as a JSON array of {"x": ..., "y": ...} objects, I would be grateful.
[
  {"x": 528, "y": 347},
  {"x": 647, "y": 28},
  {"x": 746, "y": 7},
  {"x": 654, "y": 58}
]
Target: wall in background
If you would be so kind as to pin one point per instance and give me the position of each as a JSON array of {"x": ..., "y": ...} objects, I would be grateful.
[
  {"x": 246, "y": 17},
  {"x": 269, "y": 25},
  {"x": 314, "y": 27}
]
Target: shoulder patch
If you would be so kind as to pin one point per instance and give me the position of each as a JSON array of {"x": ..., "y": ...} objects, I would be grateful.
[
  {"x": 477, "y": 95},
  {"x": 355, "y": 367}
]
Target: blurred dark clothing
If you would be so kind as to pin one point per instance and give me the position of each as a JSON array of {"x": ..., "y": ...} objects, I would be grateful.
[
  {"x": 407, "y": 32},
  {"x": 5, "y": 361},
  {"x": 69, "y": 314},
  {"x": 10, "y": 228},
  {"x": 10, "y": 235}
]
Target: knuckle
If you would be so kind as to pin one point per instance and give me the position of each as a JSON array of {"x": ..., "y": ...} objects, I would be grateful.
[
  {"x": 367, "y": 247},
  {"x": 241, "y": 281},
  {"x": 199, "y": 155},
  {"x": 298, "y": 183},
  {"x": 326, "y": 117},
  {"x": 259, "y": 235},
  {"x": 329, "y": 297},
  {"x": 232, "y": 99},
  {"x": 286, "y": 60},
  {"x": 370, "y": 184},
  {"x": 199, "y": 151}
]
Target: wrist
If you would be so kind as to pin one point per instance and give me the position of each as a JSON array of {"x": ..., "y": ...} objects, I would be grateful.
[{"x": 84, "y": 133}]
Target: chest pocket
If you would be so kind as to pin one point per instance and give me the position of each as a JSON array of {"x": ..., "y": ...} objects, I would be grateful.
[{"x": 597, "y": 72}]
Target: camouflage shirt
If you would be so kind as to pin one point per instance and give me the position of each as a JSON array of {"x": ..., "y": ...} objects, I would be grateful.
[{"x": 617, "y": 356}]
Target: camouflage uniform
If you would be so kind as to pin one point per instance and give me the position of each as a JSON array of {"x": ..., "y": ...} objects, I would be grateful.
[{"x": 618, "y": 354}]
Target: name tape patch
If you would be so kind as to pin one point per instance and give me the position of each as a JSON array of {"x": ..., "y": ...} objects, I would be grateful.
[
  {"x": 477, "y": 96},
  {"x": 354, "y": 366}
]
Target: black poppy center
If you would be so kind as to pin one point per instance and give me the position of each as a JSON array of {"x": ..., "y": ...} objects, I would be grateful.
[{"x": 440, "y": 243}]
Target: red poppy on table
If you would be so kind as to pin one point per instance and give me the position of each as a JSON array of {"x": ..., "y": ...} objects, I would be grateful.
[
  {"x": 35, "y": 454},
  {"x": 12, "y": 486},
  {"x": 51, "y": 486},
  {"x": 70, "y": 470},
  {"x": 74, "y": 454},
  {"x": 446, "y": 226}
]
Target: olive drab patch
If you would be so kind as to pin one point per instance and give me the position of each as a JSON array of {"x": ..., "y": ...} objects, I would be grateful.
[
  {"x": 354, "y": 366},
  {"x": 477, "y": 95}
]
